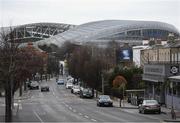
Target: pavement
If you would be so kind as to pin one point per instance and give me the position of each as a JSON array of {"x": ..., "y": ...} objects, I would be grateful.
[
  {"x": 125, "y": 106},
  {"x": 17, "y": 103}
]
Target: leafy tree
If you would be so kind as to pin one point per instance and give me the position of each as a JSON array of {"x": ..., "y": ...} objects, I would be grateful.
[
  {"x": 119, "y": 82},
  {"x": 132, "y": 76}
]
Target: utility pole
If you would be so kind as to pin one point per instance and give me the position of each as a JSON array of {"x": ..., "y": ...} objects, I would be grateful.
[{"x": 102, "y": 77}]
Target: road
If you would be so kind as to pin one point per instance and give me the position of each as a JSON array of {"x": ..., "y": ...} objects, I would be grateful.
[{"x": 59, "y": 105}]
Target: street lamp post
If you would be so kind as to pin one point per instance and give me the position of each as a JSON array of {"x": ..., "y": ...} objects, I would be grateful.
[
  {"x": 171, "y": 86},
  {"x": 102, "y": 77},
  {"x": 173, "y": 114}
]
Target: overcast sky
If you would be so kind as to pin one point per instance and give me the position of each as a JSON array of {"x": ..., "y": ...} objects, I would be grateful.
[{"x": 16, "y": 12}]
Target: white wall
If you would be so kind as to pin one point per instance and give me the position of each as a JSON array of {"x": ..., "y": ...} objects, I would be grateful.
[
  {"x": 137, "y": 53},
  {"x": 176, "y": 102}
]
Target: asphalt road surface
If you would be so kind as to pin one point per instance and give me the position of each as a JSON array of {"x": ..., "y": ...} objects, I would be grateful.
[{"x": 59, "y": 105}]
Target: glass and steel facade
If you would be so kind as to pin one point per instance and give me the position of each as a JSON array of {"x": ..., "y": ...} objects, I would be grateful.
[{"x": 116, "y": 30}]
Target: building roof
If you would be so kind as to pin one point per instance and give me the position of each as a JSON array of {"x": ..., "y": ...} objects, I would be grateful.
[{"x": 95, "y": 30}]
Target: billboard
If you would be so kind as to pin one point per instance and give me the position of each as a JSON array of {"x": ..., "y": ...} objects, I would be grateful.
[{"x": 125, "y": 54}]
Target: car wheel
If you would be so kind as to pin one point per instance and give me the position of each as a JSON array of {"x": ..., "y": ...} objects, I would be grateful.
[{"x": 159, "y": 112}]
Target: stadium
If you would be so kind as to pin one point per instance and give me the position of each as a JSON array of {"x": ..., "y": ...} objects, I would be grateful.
[
  {"x": 123, "y": 31},
  {"x": 98, "y": 32}
]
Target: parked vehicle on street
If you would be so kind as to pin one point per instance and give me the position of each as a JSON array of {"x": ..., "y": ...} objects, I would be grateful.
[
  {"x": 86, "y": 92},
  {"x": 69, "y": 85},
  {"x": 149, "y": 106},
  {"x": 34, "y": 85},
  {"x": 69, "y": 78},
  {"x": 44, "y": 88},
  {"x": 104, "y": 100},
  {"x": 75, "y": 89},
  {"x": 60, "y": 82}
]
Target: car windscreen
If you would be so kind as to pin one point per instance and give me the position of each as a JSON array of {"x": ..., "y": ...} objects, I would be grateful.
[
  {"x": 151, "y": 102},
  {"x": 87, "y": 90},
  {"x": 76, "y": 87},
  {"x": 105, "y": 97}
]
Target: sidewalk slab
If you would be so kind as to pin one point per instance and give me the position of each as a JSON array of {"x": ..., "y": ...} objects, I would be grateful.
[
  {"x": 124, "y": 104},
  {"x": 25, "y": 95}
]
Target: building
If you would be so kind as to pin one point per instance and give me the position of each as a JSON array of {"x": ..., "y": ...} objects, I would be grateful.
[
  {"x": 122, "y": 31},
  {"x": 137, "y": 54},
  {"x": 159, "y": 64}
]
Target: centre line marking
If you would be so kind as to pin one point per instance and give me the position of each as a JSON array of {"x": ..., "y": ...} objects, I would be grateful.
[
  {"x": 86, "y": 116},
  {"x": 79, "y": 113},
  {"x": 94, "y": 120},
  {"x": 38, "y": 117}
]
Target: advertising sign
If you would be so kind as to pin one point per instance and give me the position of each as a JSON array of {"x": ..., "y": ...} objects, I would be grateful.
[
  {"x": 125, "y": 55},
  {"x": 174, "y": 70}
]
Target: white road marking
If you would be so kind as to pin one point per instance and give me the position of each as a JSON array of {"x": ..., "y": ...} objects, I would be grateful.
[
  {"x": 94, "y": 120},
  {"x": 79, "y": 113},
  {"x": 38, "y": 117},
  {"x": 86, "y": 116},
  {"x": 15, "y": 104},
  {"x": 70, "y": 108}
]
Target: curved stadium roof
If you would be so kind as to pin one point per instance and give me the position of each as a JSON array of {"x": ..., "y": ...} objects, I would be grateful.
[{"x": 95, "y": 30}]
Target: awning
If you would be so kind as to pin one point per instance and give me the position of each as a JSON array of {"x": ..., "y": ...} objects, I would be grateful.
[{"x": 175, "y": 78}]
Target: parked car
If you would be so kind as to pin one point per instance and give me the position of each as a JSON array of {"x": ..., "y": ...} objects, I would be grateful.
[
  {"x": 44, "y": 88},
  {"x": 75, "y": 89},
  {"x": 69, "y": 85},
  {"x": 149, "y": 106},
  {"x": 86, "y": 92},
  {"x": 69, "y": 78},
  {"x": 34, "y": 85},
  {"x": 28, "y": 84},
  {"x": 104, "y": 100},
  {"x": 60, "y": 82}
]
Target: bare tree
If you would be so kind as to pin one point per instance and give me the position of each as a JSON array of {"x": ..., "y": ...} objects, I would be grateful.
[
  {"x": 14, "y": 63},
  {"x": 84, "y": 66},
  {"x": 8, "y": 53}
]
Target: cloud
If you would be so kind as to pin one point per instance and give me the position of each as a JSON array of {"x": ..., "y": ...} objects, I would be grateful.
[{"x": 81, "y": 11}]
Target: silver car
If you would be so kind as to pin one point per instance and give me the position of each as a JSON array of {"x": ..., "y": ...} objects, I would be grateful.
[{"x": 149, "y": 106}]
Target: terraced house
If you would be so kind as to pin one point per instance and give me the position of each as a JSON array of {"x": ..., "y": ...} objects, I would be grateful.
[{"x": 161, "y": 64}]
